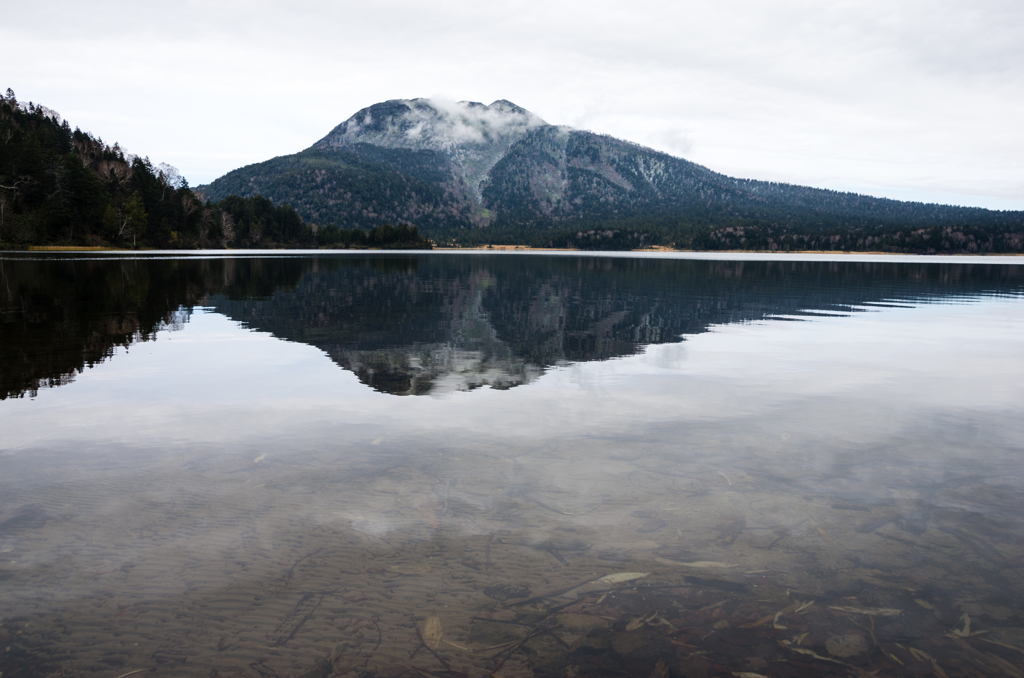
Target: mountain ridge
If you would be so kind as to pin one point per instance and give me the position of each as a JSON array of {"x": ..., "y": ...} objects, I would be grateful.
[{"x": 467, "y": 171}]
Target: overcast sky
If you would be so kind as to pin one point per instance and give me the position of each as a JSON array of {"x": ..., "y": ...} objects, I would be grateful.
[{"x": 901, "y": 98}]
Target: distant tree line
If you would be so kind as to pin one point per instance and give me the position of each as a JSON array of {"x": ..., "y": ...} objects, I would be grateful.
[
  {"x": 656, "y": 231},
  {"x": 385, "y": 236}
]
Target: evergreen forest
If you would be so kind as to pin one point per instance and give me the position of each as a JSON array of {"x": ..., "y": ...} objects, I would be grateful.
[{"x": 64, "y": 187}]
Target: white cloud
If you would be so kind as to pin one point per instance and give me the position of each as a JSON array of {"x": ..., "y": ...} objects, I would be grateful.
[{"x": 442, "y": 124}]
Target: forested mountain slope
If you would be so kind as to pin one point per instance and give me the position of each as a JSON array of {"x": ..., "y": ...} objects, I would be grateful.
[{"x": 473, "y": 173}]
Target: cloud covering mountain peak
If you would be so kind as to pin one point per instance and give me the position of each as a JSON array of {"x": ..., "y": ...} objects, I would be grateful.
[
  {"x": 472, "y": 135},
  {"x": 435, "y": 124}
]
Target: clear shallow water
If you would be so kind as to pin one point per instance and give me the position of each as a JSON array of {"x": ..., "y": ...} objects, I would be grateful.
[{"x": 314, "y": 457}]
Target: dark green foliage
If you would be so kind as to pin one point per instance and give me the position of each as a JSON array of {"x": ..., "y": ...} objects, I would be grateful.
[
  {"x": 385, "y": 237},
  {"x": 255, "y": 222},
  {"x": 604, "y": 240},
  {"x": 751, "y": 235},
  {"x": 64, "y": 187}
]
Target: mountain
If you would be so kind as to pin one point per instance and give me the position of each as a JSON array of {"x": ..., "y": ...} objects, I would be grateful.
[{"x": 474, "y": 173}]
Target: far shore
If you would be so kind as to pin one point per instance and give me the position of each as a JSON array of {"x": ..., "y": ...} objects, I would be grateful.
[
  {"x": 526, "y": 248},
  {"x": 78, "y": 248}
]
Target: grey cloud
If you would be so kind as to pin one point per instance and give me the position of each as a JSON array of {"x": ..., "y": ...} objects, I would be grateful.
[{"x": 674, "y": 141}]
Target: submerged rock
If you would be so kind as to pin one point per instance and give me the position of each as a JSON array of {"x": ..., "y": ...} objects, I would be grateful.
[
  {"x": 848, "y": 645},
  {"x": 507, "y": 591}
]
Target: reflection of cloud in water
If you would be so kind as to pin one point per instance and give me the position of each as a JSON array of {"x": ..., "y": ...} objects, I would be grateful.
[
  {"x": 473, "y": 357},
  {"x": 756, "y": 395}
]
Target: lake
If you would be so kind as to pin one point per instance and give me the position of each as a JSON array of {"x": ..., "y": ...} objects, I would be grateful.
[{"x": 380, "y": 464}]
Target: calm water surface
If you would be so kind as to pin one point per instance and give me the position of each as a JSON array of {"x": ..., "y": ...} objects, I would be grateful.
[{"x": 512, "y": 465}]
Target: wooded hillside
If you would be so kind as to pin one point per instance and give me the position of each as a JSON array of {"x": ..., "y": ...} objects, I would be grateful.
[{"x": 63, "y": 186}]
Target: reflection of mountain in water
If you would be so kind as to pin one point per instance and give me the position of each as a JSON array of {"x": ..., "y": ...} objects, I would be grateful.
[
  {"x": 415, "y": 324},
  {"x": 402, "y": 326},
  {"x": 438, "y": 323}
]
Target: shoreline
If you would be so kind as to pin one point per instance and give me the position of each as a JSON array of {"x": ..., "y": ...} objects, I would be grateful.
[{"x": 525, "y": 248}]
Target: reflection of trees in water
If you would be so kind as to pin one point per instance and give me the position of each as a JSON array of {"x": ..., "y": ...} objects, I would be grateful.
[
  {"x": 61, "y": 316},
  {"x": 417, "y": 324}
]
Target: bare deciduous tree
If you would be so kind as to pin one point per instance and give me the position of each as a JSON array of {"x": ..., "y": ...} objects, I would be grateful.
[{"x": 13, "y": 188}]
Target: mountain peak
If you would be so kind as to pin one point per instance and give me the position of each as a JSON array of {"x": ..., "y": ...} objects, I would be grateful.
[
  {"x": 473, "y": 136},
  {"x": 434, "y": 124}
]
